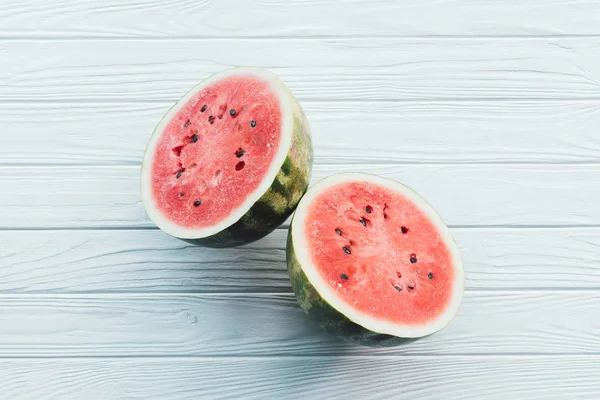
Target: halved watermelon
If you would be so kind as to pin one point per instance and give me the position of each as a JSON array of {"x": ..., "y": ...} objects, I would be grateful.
[
  {"x": 229, "y": 162},
  {"x": 370, "y": 260}
]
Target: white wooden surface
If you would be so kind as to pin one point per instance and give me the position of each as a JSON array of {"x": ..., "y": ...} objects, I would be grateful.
[{"x": 490, "y": 109}]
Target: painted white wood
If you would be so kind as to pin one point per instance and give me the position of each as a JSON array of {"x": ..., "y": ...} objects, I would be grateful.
[
  {"x": 489, "y": 109},
  {"x": 528, "y": 194},
  {"x": 151, "y": 261},
  {"x": 377, "y": 378},
  {"x": 490, "y": 322},
  {"x": 242, "y": 18},
  {"x": 421, "y": 132},
  {"x": 325, "y": 70}
]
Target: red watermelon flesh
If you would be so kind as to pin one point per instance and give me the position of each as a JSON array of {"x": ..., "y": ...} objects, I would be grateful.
[
  {"x": 216, "y": 151},
  {"x": 380, "y": 253}
]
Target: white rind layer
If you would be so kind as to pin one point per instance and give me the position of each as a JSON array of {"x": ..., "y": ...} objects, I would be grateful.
[
  {"x": 287, "y": 120},
  {"x": 300, "y": 244}
]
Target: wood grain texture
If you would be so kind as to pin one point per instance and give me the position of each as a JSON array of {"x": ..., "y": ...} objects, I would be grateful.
[
  {"x": 489, "y": 322},
  {"x": 377, "y": 378},
  {"x": 428, "y": 132},
  {"x": 321, "y": 70},
  {"x": 489, "y": 109},
  {"x": 545, "y": 195},
  {"x": 151, "y": 261},
  {"x": 239, "y": 18}
]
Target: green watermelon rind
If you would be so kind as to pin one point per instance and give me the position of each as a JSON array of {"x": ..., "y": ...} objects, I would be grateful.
[{"x": 279, "y": 201}]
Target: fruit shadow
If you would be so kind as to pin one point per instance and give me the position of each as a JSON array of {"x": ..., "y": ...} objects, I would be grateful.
[
  {"x": 175, "y": 265},
  {"x": 257, "y": 301}
]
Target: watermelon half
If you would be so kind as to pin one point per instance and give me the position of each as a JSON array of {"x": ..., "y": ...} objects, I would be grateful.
[
  {"x": 371, "y": 261},
  {"x": 229, "y": 162}
]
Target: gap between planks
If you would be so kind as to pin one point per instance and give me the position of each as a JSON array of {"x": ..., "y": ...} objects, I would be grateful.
[
  {"x": 200, "y": 294},
  {"x": 122, "y": 38},
  {"x": 305, "y": 100},
  {"x": 387, "y": 162},
  {"x": 379, "y": 356},
  {"x": 283, "y": 226}
]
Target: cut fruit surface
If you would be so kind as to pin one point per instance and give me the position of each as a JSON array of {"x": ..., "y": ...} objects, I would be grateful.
[
  {"x": 217, "y": 149},
  {"x": 374, "y": 252},
  {"x": 369, "y": 261},
  {"x": 230, "y": 161}
]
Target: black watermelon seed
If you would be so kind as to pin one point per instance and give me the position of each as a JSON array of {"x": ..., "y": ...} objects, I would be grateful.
[
  {"x": 239, "y": 166},
  {"x": 346, "y": 250},
  {"x": 410, "y": 287},
  {"x": 338, "y": 231},
  {"x": 232, "y": 112},
  {"x": 179, "y": 174},
  {"x": 363, "y": 222},
  {"x": 430, "y": 275},
  {"x": 253, "y": 123},
  {"x": 203, "y": 108},
  {"x": 368, "y": 209},
  {"x": 188, "y": 123},
  {"x": 211, "y": 118},
  {"x": 344, "y": 277},
  {"x": 404, "y": 230},
  {"x": 398, "y": 288},
  {"x": 197, "y": 203},
  {"x": 194, "y": 138},
  {"x": 240, "y": 153},
  {"x": 413, "y": 258},
  {"x": 181, "y": 194}
]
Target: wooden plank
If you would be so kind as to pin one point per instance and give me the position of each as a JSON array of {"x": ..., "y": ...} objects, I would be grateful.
[
  {"x": 321, "y": 70},
  {"x": 136, "y": 261},
  {"x": 490, "y": 322},
  {"x": 545, "y": 195},
  {"x": 431, "y": 132},
  {"x": 461, "y": 378},
  {"x": 151, "y": 261},
  {"x": 239, "y": 18}
]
